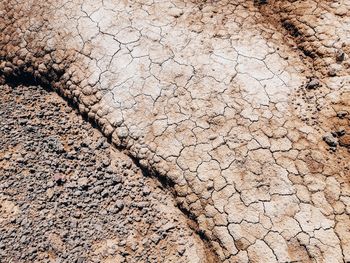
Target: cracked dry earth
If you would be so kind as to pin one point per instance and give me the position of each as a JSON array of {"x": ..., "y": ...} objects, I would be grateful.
[{"x": 242, "y": 107}]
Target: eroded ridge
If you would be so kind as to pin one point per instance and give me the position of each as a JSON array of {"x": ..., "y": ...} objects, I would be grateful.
[{"x": 214, "y": 97}]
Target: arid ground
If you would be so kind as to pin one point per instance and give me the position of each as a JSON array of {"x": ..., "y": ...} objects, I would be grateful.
[{"x": 175, "y": 131}]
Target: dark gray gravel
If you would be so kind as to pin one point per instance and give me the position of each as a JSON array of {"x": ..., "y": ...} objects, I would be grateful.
[{"x": 66, "y": 195}]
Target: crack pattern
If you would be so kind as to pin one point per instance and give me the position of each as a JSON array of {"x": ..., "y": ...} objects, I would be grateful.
[{"x": 215, "y": 97}]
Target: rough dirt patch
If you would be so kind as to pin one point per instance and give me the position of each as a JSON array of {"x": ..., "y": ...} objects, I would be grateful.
[
  {"x": 235, "y": 103},
  {"x": 319, "y": 30},
  {"x": 66, "y": 195}
]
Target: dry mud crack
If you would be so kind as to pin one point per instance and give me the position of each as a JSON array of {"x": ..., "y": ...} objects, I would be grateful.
[{"x": 242, "y": 107}]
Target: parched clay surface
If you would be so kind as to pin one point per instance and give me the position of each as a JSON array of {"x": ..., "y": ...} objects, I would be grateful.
[{"x": 242, "y": 105}]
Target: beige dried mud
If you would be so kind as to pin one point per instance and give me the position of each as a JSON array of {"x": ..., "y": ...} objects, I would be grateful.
[{"x": 214, "y": 97}]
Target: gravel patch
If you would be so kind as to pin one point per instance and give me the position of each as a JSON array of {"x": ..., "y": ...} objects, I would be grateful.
[{"x": 66, "y": 195}]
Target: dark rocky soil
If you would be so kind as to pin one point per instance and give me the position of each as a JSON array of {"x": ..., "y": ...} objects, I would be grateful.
[{"x": 66, "y": 195}]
